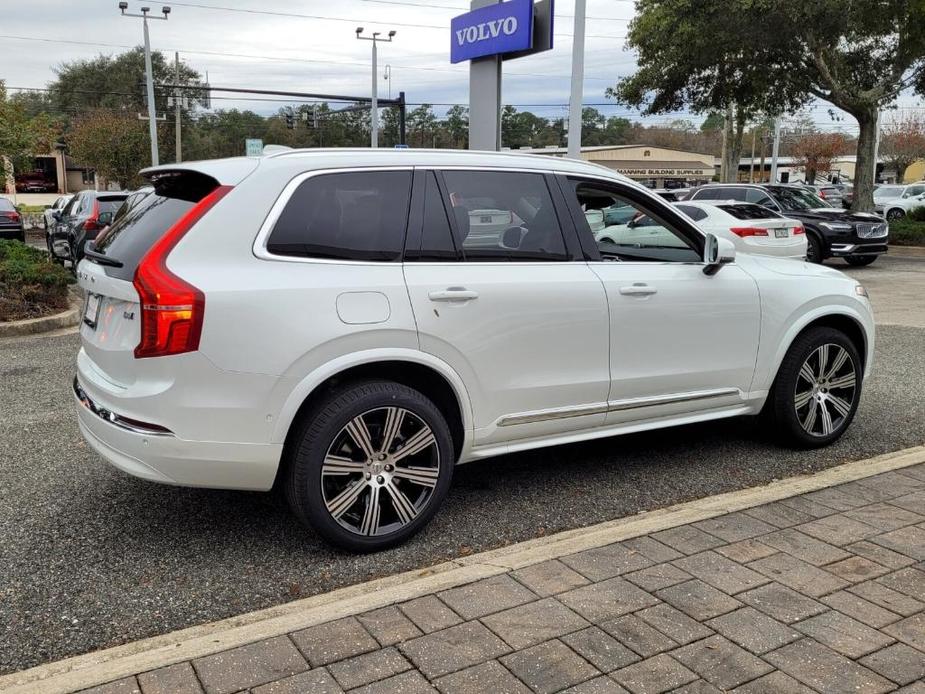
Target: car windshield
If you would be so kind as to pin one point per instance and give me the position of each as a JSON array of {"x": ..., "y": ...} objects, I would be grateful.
[
  {"x": 886, "y": 192},
  {"x": 798, "y": 199}
]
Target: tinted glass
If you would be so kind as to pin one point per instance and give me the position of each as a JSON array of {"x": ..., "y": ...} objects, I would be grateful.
[
  {"x": 888, "y": 192},
  {"x": 694, "y": 213},
  {"x": 110, "y": 204},
  {"x": 797, "y": 199},
  {"x": 346, "y": 216},
  {"x": 504, "y": 216},
  {"x": 437, "y": 237},
  {"x": 705, "y": 194},
  {"x": 747, "y": 211}
]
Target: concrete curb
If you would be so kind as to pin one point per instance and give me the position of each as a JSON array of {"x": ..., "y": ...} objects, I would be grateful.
[
  {"x": 88, "y": 670},
  {"x": 32, "y": 326}
]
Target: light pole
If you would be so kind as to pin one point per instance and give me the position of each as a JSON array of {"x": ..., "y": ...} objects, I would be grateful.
[
  {"x": 152, "y": 114},
  {"x": 578, "y": 75},
  {"x": 374, "y": 105}
]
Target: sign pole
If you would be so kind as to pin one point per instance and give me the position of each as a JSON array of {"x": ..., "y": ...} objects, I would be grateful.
[
  {"x": 485, "y": 97},
  {"x": 578, "y": 78}
]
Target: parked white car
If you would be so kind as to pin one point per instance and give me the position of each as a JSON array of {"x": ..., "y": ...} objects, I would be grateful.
[
  {"x": 891, "y": 193},
  {"x": 752, "y": 228},
  {"x": 317, "y": 321},
  {"x": 898, "y": 208}
]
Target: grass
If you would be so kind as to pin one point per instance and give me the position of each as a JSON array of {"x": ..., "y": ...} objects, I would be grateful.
[{"x": 31, "y": 285}]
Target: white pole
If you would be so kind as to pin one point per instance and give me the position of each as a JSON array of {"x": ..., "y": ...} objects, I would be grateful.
[
  {"x": 179, "y": 144},
  {"x": 899, "y": 174},
  {"x": 775, "y": 148},
  {"x": 152, "y": 116},
  {"x": 578, "y": 81},
  {"x": 374, "y": 107}
]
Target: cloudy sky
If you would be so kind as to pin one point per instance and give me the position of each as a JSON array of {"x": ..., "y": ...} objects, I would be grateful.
[{"x": 309, "y": 45}]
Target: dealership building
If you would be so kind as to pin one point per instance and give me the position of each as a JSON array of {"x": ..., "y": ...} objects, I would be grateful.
[{"x": 656, "y": 167}]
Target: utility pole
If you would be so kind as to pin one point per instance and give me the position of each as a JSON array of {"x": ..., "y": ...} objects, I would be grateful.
[
  {"x": 775, "y": 149},
  {"x": 877, "y": 150},
  {"x": 578, "y": 81},
  {"x": 751, "y": 165},
  {"x": 152, "y": 114},
  {"x": 374, "y": 106},
  {"x": 177, "y": 98}
]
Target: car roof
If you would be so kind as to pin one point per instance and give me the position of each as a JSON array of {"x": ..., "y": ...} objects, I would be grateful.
[{"x": 232, "y": 170}]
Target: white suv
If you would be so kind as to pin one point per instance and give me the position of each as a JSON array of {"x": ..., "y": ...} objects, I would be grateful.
[{"x": 319, "y": 322}]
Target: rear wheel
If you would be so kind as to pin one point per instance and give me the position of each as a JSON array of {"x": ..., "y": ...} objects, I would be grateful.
[
  {"x": 813, "y": 249},
  {"x": 370, "y": 465},
  {"x": 860, "y": 260},
  {"x": 894, "y": 214},
  {"x": 816, "y": 392}
]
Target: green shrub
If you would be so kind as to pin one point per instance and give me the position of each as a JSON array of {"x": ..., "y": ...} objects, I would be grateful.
[
  {"x": 30, "y": 284},
  {"x": 917, "y": 214},
  {"x": 907, "y": 232}
]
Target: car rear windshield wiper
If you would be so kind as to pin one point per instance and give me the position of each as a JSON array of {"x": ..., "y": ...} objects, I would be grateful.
[{"x": 100, "y": 258}]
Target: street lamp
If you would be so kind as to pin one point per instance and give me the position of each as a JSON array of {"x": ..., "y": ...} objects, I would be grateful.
[
  {"x": 374, "y": 106},
  {"x": 152, "y": 114}
]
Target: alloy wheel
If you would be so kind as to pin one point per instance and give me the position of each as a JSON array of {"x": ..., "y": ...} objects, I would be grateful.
[
  {"x": 380, "y": 471},
  {"x": 893, "y": 215},
  {"x": 825, "y": 390}
]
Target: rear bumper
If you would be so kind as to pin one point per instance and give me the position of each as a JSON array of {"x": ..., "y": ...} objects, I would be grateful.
[
  {"x": 160, "y": 456},
  {"x": 11, "y": 232}
]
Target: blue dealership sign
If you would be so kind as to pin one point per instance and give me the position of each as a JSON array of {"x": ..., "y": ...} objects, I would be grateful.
[{"x": 496, "y": 29}]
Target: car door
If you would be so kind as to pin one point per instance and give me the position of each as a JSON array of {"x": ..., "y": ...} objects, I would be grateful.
[
  {"x": 522, "y": 320},
  {"x": 681, "y": 341}
]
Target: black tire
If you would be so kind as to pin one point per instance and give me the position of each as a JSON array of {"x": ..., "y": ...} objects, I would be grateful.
[
  {"x": 322, "y": 429},
  {"x": 783, "y": 409},
  {"x": 895, "y": 214},
  {"x": 860, "y": 260},
  {"x": 813, "y": 249}
]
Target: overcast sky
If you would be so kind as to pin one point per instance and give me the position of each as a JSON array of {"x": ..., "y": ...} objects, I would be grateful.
[{"x": 319, "y": 52}]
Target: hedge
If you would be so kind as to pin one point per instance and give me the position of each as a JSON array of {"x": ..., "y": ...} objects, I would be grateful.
[{"x": 30, "y": 284}]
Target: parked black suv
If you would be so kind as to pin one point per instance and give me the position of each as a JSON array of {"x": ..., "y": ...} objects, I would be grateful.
[
  {"x": 80, "y": 221},
  {"x": 858, "y": 237}
]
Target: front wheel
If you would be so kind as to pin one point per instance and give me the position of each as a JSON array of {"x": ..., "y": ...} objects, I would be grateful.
[
  {"x": 817, "y": 389},
  {"x": 813, "y": 249},
  {"x": 860, "y": 260},
  {"x": 894, "y": 214},
  {"x": 370, "y": 465}
]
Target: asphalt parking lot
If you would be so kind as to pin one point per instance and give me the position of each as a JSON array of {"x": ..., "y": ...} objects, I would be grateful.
[{"x": 92, "y": 558}]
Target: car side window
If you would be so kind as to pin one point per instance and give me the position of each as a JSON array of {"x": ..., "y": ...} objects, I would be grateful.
[
  {"x": 503, "y": 216},
  {"x": 914, "y": 190},
  {"x": 705, "y": 194},
  {"x": 628, "y": 229},
  {"x": 358, "y": 215},
  {"x": 71, "y": 206},
  {"x": 759, "y": 197}
]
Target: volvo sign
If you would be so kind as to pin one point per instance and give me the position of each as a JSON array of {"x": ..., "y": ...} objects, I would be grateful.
[{"x": 494, "y": 30}]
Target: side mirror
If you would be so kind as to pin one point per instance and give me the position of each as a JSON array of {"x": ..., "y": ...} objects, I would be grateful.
[
  {"x": 56, "y": 215},
  {"x": 716, "y": 253}
]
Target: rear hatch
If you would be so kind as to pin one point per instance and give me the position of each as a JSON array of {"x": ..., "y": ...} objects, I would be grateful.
[{"x": 110, "y": 328}]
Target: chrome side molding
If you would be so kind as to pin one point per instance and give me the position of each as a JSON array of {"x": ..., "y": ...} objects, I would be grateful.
[
  {"x": 125, "y": 423},
  {"x": 614, "y": 406}
]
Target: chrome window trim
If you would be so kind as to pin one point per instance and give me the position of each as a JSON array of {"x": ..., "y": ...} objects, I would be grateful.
[{"x": 614, "y": 406}]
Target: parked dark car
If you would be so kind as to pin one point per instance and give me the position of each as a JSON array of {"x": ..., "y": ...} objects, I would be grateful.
[
  {"x": 11, "y": 225},
  {"x": 80, "y": 221},
  {"x": 858, "y": 237},
  {"x": 35, "y": 182}
]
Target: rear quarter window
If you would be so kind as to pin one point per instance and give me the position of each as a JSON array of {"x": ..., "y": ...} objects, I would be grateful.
[
  {"x": 749, "y": 211},
  {"x": 360, "y": 215}
]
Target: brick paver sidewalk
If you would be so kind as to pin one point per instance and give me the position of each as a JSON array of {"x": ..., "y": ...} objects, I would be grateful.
[{"x": 823, "y": 592}]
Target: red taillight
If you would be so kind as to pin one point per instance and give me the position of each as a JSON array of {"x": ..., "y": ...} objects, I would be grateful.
[
  {"x": 12, "y": 216},
  {"x": 92, "y": 222},
  {"x": 171, "y": 308},
  {"x": 822, "y": 194},
  {"x": 798, "y": 230},
  {"x": 749, "y": 231}
]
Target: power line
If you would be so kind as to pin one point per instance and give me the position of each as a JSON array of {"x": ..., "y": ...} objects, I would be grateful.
[
  {"x": 349, "y": 20},
  {"x": 461, "y": 72}
]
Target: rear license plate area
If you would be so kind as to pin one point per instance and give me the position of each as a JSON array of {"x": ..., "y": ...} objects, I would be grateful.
[
  {"x": 92, "y": 309},
  {"x": 781, "y": 233}
]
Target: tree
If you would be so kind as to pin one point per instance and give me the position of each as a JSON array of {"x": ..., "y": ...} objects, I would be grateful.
[
  {"x": 457, "y": 125},
  {"x": 21, "y": 136},
  {"x": 902, "y": 142},
  {"x": 706, "y": 54},
  {"x": 814, "y": 152},
  {"x": 422, "y": 122},
  {"x": 713, "y": 122},
  {"x": 115, "y": 145}
]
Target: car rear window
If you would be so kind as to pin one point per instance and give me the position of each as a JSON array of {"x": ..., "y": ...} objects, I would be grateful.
[
  {"x": 6, "y": 204},
  {"x": 132, "y": 235},
  {"x": 111, "y": 204},
  {"x": 747, "y": 211}
]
